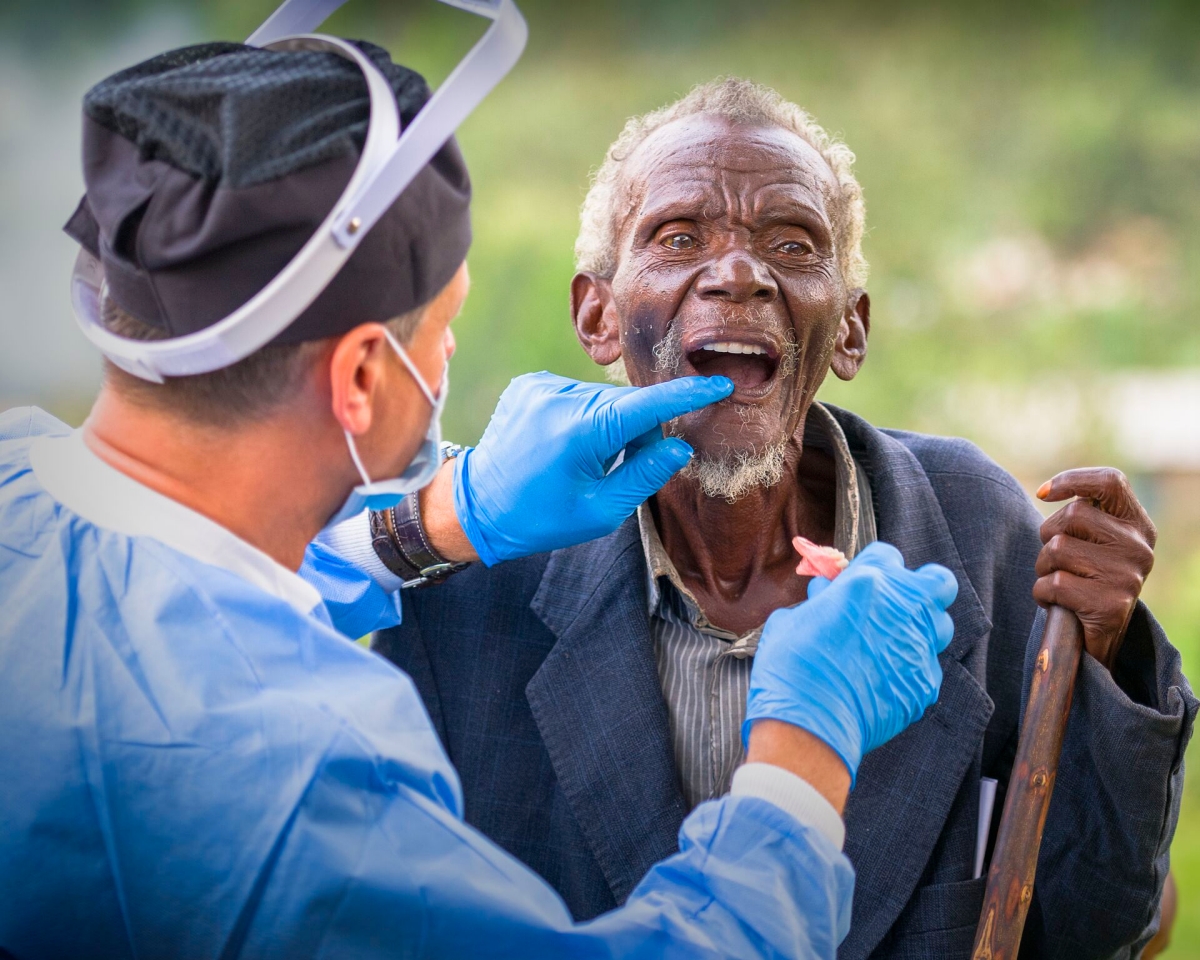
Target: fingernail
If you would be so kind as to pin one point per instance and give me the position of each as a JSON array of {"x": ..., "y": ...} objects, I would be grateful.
[
  {"x": 678, "y": 449},
  {"x": 1043, "y": 491},
  {"x": 723, "y": 383}
]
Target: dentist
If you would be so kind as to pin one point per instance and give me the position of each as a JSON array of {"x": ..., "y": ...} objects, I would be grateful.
[{"x": 199, "y": 762}]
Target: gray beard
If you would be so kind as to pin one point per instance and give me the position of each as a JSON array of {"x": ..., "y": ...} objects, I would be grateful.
[
  {"x": 733, "y": 476},
  {"x": 668, "y": 353},
  {"x": 730, "y": 475}
]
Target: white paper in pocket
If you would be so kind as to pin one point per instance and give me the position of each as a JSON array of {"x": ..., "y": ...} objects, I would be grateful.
[{"x": 987, "y": 801}]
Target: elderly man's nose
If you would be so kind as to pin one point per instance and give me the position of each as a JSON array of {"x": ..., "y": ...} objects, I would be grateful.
[{"x": 738, "y": 278}]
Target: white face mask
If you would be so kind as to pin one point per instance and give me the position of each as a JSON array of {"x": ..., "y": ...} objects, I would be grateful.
[{"x": 382, "y": 494}]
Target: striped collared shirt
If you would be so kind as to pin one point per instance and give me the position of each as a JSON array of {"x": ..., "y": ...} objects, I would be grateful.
[{"x": 705, "y": 670}]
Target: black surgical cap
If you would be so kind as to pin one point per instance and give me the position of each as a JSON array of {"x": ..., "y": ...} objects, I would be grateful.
[{"x": 208, "y": 168}]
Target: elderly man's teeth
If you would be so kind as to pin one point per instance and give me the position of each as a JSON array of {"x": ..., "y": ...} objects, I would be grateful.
[{"x": 731, "y": 347}]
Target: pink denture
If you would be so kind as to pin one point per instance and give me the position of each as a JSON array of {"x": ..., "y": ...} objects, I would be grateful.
[{"x": 818, "y": 561}]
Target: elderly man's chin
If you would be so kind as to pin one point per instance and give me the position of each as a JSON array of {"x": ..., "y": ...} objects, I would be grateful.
[{"x": 733, "y": 459}]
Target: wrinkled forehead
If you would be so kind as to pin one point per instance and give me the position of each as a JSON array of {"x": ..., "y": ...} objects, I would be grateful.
[{"x": 713, "y": 161}]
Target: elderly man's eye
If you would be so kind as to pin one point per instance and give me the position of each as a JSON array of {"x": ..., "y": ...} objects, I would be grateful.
[
  {"x": 794, "y": 247},
  {"x": 679, "y": 241}
]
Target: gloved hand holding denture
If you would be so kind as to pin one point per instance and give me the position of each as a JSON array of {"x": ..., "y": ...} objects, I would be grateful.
[{"x": 857, "y": 663}]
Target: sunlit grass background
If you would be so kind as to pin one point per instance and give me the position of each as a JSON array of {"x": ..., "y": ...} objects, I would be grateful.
[{"x": 1032, "y": 175}]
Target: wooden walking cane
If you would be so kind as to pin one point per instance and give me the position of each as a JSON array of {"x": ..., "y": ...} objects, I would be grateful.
[{"x": 1014, "y": 860}]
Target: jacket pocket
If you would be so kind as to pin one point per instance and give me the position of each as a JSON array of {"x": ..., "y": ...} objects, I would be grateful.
[{"x": 943, "y": 906}]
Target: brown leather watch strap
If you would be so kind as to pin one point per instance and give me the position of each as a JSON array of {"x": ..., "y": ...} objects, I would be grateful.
[
  {"x": 413, "y": 544},
  {"x": 386, "y": 549},
  {"x": 402, "y": 545}
]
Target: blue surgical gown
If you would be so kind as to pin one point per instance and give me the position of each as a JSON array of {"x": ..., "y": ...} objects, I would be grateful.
[{"x": 193, "y": 768}]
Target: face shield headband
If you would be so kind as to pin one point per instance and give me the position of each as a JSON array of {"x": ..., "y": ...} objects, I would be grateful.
[{"x": 388, "y": 163}]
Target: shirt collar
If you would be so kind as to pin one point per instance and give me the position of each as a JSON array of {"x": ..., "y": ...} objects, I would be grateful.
[
  {"x": 854, "y": 521},
  {"x": 659, "y": 566},
  {"x": 78, "y": 479},
  {"x": 854, "y": 517}
]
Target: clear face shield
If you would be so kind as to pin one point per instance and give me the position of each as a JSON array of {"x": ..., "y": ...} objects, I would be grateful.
[{"x": 390, "y": 159}]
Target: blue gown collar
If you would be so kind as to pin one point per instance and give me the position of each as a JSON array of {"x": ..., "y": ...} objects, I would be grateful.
[{"x": 83, "y": 483}]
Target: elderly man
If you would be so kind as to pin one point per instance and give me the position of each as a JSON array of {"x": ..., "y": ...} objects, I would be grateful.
[{"x": 605, "y": 697}]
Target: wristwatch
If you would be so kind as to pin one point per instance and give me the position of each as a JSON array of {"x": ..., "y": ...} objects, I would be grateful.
[{"x": 401, "y": 543}]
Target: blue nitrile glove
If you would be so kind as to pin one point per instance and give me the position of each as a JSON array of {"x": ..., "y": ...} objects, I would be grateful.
[
  {"x": 857, "y": 663},
  {"x": 539, "y": 480}
]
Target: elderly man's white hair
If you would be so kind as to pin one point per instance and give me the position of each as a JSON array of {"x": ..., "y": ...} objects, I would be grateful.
[{"x": 744, "y": 102}]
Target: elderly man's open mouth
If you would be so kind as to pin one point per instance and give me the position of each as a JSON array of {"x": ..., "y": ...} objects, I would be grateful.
[{"x": 749, "y": 358}]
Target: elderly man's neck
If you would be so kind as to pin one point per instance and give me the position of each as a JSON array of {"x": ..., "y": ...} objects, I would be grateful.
[
  {"x": 737, "y": 558},
  {"x": 246, "y": 477}
]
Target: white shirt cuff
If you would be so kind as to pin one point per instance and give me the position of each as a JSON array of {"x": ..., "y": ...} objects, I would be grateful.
[
  {"x": 351, "y": 540},
  {"x": 792, "y": 795}
]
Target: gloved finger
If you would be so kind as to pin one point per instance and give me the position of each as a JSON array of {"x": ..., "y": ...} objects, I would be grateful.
[
  {"x": 944, "y": 626},
  {"x": 935, "y": 686},
  {"x": 817, "y": 585},
  {"x": 878, "y": 554},
  {"x": 640, "y": 410},
  {"x": 939, "y": 581},
  {"x": 644, "y": 473},
  {"x": 651, "y": 436}
]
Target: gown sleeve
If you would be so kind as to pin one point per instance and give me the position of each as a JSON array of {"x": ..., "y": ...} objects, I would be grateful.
[
  {"x": 255, "y": 786},
  {"x": 387, "y": 871},
  {"x": 21, "y": 423},
  {"x": 378, "y": 863},
  {"x": 348, "y": 836},
  {"x": 361, "y": 595}
]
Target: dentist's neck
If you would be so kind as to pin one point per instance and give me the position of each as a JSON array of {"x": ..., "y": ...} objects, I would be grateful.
[{"x": 268, "y": 480}]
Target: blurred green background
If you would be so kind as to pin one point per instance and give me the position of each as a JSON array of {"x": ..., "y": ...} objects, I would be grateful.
[{"x": 1032, "y": 174}]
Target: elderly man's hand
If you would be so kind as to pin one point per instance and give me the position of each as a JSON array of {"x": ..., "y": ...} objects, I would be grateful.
[{"x": 1096, "y": 555}]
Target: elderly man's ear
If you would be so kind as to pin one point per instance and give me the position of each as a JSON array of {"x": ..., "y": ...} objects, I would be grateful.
[
  {"x": 595, "y": 317},
  {"x": 850, "y": 350}
]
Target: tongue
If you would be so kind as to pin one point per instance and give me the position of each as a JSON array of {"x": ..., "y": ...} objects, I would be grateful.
[{"x": 745, "y": 370}]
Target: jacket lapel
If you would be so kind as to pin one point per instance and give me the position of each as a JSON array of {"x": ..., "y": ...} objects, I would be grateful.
[
  {"x": 906, "y": 788},
  {"x": 600, "y": 710}
]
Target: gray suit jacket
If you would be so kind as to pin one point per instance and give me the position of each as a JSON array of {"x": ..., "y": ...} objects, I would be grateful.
[{"x": 540, "y": 677}]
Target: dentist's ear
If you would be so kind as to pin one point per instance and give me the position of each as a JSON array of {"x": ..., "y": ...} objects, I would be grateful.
[
  {"x": 595, "y": 317},
  {"x": 356, "y": 372},
  {"x": 851, "y": 348}
]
